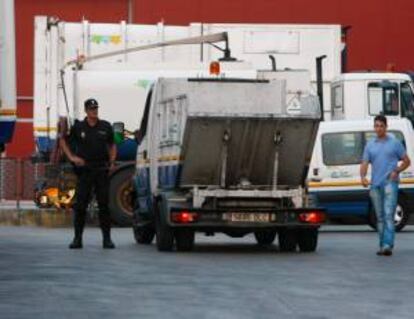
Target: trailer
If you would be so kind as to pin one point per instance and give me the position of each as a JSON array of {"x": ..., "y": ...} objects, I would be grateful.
[{"x": 293, "y": 47}]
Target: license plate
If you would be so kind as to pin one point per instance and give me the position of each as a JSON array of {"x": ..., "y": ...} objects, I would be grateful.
[{"x": 247, "y": 217}]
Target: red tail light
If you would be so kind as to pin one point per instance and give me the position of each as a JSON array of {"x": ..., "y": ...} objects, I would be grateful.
[
  {"x": 312, "y": 217},
  {"x": 184, "y": 217}
]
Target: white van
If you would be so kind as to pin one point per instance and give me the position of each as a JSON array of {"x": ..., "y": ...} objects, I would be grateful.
[{"x": 334, "y": 179}]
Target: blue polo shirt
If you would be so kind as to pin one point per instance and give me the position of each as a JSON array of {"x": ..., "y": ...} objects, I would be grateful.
[{"x": 384, "y": 155}]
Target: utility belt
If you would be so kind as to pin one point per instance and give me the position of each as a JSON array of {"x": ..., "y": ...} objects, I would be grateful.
[{"x": 91, "y": 166}]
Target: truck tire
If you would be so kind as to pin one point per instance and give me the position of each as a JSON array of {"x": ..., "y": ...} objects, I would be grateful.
[
  {"x": 307, "y": 240},
  {"x": 265, "y": 237},
  {"x": 184, "y": 239},
  {"x": 402, "y": 215},
  {"x": 143, "y": 235},
  {"x": 120, "y": 196},
  {"x": 163, "y": 233},
  {"x": 287, "y": 240}
]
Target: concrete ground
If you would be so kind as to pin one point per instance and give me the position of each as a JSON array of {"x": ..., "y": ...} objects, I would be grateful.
[{"x": 222, "y": 278}]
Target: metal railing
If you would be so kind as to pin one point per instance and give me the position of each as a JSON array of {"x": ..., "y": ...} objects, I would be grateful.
[{"x": 18, "y": 177}]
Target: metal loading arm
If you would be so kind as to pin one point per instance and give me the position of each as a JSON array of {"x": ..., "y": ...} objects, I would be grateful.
[{"x": 210, "y": 39}]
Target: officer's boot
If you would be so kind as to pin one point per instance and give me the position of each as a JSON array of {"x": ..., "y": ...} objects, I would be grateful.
[
  {"x": 105, "y": 222},
  {"x": 77, "y": 240},
  {"x": 78, "y": 225},
  {"x": 107, "y": 242}
]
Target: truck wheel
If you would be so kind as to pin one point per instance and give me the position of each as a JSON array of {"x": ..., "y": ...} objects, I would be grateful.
[
  {"x": 402, "y": 216},
  {"x": 265, "y": 237},
  {"x": 120, "y": 196},
  {"x": 287, "y": 240},
  {"x": 184, "y": 239},
  {"x": 143, "y": 235},
  {"x": 307, "y": 240},
  {"x": 164, "y": 234}
]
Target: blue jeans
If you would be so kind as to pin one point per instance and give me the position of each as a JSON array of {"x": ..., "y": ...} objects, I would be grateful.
[{"x": 384, "y": 199}]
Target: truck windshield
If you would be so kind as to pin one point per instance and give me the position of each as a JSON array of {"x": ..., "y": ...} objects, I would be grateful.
[
  {"x": 383, "y": 99},
  {"x": 407, "y": 101}
]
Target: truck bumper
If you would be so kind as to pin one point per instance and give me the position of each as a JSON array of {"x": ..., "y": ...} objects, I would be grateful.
[{"x": 202, "y": 219}]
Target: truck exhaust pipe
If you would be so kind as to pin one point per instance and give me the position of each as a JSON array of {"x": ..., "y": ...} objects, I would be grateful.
[
  {"x": 273, "y": 61},
  {"x": 319, "y": 83}
]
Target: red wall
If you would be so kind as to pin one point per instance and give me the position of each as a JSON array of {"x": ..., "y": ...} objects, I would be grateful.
[
  {"x": 380, "y": 34},
  {"x": 381, "y": 29}
]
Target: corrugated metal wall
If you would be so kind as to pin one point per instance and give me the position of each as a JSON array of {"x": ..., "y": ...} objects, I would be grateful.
[{"x": 381, "y": 30}]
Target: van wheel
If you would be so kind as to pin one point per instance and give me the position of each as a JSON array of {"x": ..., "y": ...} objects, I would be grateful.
[
  {"x": 265, "y": 237},
  {"x": 401, "y": 218},
  {"x": 184, "y": 239},
  {"x": 143, "y": 235},
  {"x": 164, "y": 234},
  {"x": 308, "y": 240},
  {"x": 287, "y": 240}
]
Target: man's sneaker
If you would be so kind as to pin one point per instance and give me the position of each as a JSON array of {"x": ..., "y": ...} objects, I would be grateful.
[
  {"x": 380, "y": 252},
  {"x": 76, "y": 243},
  {"x": 387, "y": 252},
  {"x": 108, "y": 244}
]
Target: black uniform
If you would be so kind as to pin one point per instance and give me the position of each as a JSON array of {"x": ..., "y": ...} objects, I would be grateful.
[{"x": 92, "y": 143}]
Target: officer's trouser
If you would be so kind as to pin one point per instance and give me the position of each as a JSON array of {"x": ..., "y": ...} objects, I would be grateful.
[{"x": 90, "y": 179}]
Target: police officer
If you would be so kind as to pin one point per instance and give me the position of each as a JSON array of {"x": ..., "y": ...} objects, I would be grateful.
[{"x": 92, "y": 150}]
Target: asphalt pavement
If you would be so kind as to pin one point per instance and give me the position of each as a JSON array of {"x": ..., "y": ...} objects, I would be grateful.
[{"x": 222, "y": 278}]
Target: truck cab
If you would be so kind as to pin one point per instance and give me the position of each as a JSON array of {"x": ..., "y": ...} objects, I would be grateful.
[{"x": 363, "y": 95}]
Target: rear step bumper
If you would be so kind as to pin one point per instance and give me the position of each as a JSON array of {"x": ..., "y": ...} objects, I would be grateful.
[{"x": 247, "y": 218}]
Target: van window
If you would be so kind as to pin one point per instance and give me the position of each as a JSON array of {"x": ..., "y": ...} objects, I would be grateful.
[
  {"x": 407, "y": 101},
  {"x": 347, "y": 148},
  {"x": 342, "y": 148},
  {"x": 397, "y": 134},
  {"x": 383, "y": 98}
]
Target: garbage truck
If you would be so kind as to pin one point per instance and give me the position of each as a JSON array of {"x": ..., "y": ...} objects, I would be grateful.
[
  {"x": 120, "y": 82},
  {"x": 225, "y": 155}
]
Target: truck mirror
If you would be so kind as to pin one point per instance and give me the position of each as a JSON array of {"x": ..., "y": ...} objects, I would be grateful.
[
  {"x": 138, "y": 136},
  {"x": 118, "y": 128}
]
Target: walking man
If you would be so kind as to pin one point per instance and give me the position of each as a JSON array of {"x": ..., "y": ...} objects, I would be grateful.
[
  {"x": 92, "y": 150},
  {"x": 384, "y": 152}
]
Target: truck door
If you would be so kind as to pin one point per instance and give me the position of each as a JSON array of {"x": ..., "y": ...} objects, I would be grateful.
[
  {"x": 142, "y": 177},
  {"x": 407, "y": 101},
  {"x": 383, "y": 98}
]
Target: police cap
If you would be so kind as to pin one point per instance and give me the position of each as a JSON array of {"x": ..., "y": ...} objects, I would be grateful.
[{"x": 91, "y": 104}]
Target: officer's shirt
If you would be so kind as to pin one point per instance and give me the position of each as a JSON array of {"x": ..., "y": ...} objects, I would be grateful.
[{"x": 92, "y": 142}]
